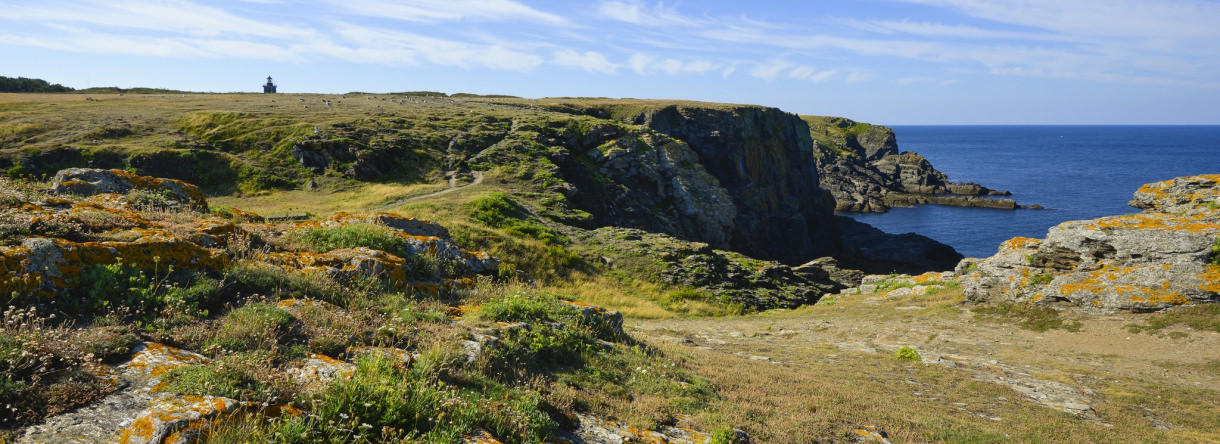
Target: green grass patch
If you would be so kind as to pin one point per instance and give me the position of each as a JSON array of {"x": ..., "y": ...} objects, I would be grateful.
[{"x": 497, "y": 210}]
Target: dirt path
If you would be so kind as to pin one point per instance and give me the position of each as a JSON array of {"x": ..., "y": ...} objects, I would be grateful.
[{"x": 453, "y": 186}]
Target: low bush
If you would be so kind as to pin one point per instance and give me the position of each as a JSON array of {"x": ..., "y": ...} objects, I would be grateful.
[{"x": 906, "y": 354}]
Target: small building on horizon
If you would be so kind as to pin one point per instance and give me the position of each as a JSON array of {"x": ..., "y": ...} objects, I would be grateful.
[{"x": 269, "y": 88}]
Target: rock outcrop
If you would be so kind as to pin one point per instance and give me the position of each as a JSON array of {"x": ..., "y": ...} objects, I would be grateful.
[
  {"x": 1165, "y": 256},
  {"x": 861, "y": 166},
  {"x": 64, "y": 237},
  {"x": 716, "y": 276},
  {"x": 92, "y": 181}
]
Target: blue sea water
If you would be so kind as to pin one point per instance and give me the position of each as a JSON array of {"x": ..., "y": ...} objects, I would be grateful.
[{"x": 1076, "y": 172}]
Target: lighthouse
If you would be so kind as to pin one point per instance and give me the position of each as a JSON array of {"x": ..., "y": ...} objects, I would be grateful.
[{"x": 269, "y": 88}]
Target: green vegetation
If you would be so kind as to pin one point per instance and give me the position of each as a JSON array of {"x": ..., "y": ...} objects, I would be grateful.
[
  {"x": 497, "y": 210},
  {"x": 26, "y": 85},
  {"x": 1040, "y": 279},
  {"x": 906, "y": 354},
  {"x": 1027, "y": 316},
  {"x": 1205, "y": 317}
]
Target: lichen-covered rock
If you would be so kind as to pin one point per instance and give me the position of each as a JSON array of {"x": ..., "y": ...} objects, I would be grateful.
[
  {"x": 1162, "y": 257},
  {"x": 91, "y": 181},
  {"x": 114, "y": 417},
  {"x": 317, "y": 371},
  {"x": 178, "y": 420}
]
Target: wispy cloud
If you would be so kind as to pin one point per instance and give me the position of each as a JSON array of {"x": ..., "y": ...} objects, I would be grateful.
[
  {"x": 637, "y": 13},
  {"x": 173, "y": 16},
  {"x": 647, "y": 64},
  {"x": 430, "y": 11},
  {"x": 589, "y": 61},
  {"x": 379, "y": 46}
]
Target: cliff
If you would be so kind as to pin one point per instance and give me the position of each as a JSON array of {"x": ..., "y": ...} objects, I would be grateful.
[
  {"x": 861, "y": 166},
  {"x": 1165, "y": 256},
  {"x": 762, "y": 160}
]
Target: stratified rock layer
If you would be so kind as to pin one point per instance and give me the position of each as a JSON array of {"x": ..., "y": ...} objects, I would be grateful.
[{"x": 1166, "y": 255}]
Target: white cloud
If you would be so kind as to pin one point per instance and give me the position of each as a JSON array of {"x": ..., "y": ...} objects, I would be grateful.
[
  {"x": 635, "y": 13},
  {"x": 646, "y": 64},
  {"x": 382, "y": 46},
  {"x": 770, "y": 70},
  {"x": 589, "y": 61},
  {"x": 431, "y": 11},
  {"x": 175, "y": 16}
]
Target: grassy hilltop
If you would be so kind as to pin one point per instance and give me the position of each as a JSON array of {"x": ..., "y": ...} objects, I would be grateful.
[{"x": 422, "y": 267}]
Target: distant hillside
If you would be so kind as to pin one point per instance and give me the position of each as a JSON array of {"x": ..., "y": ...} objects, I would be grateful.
[{"x": 24, "y": 85}]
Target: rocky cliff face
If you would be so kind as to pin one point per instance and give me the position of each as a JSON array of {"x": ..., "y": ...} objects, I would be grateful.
[
  {"x": 861, "y": 166},
  {"x": 764, "y": 161},
  {"x": 1166, "y": 255},
  {"x": 739, "y": 178}
]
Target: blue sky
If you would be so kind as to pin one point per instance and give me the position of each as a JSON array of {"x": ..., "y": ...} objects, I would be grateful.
[{"x": 881, "y": 61}]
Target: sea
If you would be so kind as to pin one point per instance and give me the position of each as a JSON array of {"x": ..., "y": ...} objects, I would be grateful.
[{"x": 1075, "y": 172}]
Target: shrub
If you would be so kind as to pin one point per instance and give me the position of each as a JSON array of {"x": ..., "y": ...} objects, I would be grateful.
[
  {"x": 17, "y": 172},
  {"x": 115, "y": 287},
  {"x": 907, "y": 354}
]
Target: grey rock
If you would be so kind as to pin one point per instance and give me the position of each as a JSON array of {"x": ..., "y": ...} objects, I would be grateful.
[{"x": 1159, "y": 258}]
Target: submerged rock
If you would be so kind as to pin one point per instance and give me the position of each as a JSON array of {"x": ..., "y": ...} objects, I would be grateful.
[{"x": 1162, "y": 257}]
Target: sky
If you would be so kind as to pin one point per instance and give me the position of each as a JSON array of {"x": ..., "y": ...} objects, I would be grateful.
[{"x": 893, "y": 62}]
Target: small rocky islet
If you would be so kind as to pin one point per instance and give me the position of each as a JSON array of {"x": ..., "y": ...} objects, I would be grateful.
[{"x": 718, "y": 206}]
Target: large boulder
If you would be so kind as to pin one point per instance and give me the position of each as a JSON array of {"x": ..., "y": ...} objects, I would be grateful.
[{"x": 1164, "y": 256}]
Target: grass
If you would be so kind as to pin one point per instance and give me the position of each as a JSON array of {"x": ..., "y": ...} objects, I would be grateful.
[
  {"x": 1204, "y": 317},
  {"x": 1027, "y": 316}
]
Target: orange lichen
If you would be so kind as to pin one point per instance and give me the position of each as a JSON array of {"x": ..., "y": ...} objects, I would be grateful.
[
  {"x": 1211, "y": 279},
  {"x": 1157, "y": 221},
  {"x": 1020, "y": 243}
]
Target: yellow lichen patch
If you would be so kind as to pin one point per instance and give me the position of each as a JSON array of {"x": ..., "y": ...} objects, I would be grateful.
[
  {"x": 928, "y": 277},
  {"x": 1157, "y": 221},
  {"x": 1211, "y": 279},
  {"x": 1116, "y": 281},
  {"x": 1020, "y": 243}
]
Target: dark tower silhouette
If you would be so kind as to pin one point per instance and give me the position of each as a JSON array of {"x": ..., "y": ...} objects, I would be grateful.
[{"x": 269, "y": 88}]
